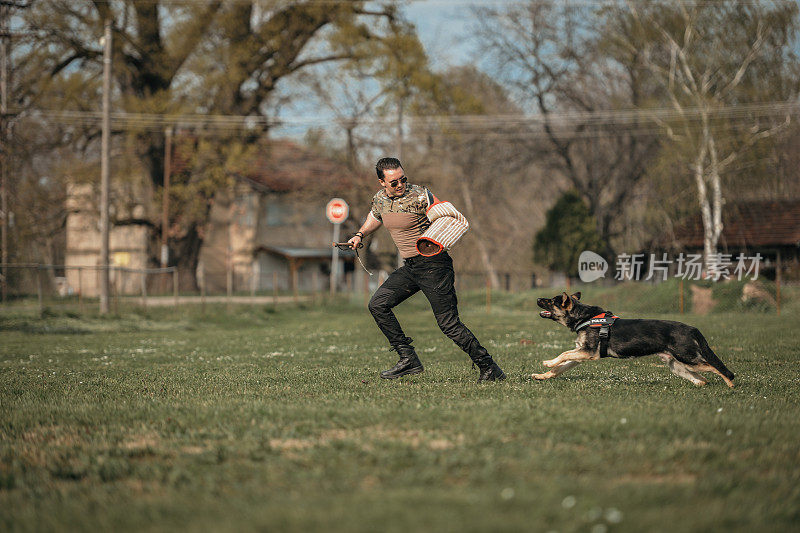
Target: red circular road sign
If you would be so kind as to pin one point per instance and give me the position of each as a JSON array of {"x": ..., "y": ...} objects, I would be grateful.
[{"x": 337, "y": 210}]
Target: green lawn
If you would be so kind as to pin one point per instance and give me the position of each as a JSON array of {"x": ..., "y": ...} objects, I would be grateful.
[{"x": 276, "y": 420}]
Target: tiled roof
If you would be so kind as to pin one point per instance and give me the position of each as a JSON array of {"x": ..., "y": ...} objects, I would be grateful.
[
  {"x": 285, "y": 166},
  {"x": 282, "y": 165},
  {"x": 748, "y": 225}
]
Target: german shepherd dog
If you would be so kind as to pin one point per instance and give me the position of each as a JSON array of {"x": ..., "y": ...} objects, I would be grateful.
[{"x": 682, "y": 347}]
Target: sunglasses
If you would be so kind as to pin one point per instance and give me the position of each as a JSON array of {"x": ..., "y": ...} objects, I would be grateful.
[{"x": 393, "y": 183}]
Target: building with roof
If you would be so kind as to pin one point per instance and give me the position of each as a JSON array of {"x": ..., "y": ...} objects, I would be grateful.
[
  {"x": 268, "y": 227},
  {"x": 271, "y": 226},
  {"x": 770, "y": 228}
]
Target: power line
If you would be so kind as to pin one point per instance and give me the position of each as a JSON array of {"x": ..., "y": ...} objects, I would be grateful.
[{"x": 232, "y": 123}]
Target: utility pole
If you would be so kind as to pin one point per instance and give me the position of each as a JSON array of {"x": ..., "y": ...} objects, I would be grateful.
[
  {"x": 165, "y": 196},
  {"x": 5, "y": 130},
  {"x": 104, "y": 171},
  {"x": 399, "y": 154}
]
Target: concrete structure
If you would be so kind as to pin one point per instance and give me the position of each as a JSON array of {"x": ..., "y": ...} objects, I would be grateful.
[
  {"x": 128, "y": 246},
  {"x": 277, "y": 203}
]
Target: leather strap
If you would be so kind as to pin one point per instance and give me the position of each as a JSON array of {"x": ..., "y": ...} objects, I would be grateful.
[{"x": 604, "y": 321}]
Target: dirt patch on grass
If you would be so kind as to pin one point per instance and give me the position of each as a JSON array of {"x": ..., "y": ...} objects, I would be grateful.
[
  {"x": 371, "y": 437},
  {"x": 440, "y": 444},
  {"x": 292, "y": 444},
  {"x": 31, "y": 456},
  {"x": 412, "y": 438},
  {"x": 370, "y": 482},
  {"x": 692, "y": 444},
  {"x": 193, "y": 450},
  {"x": 55, "y": 436},
  {"x": 72, "y": 437},
  {"x": 146, "y": 442},
  {"x": 33, "y": 446},
  {"x": 680, "y": 478}
]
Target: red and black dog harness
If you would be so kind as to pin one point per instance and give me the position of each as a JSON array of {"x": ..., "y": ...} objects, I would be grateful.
[{"x": 604, "y": 321}]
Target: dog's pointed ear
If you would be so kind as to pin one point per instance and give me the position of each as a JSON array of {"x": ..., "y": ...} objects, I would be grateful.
[
  {"x": 566, "y": 301},
  {"x": 577, "y": 295}
]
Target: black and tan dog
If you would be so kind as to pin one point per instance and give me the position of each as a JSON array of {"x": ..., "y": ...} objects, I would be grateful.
[{"x": 681, "y": 346}]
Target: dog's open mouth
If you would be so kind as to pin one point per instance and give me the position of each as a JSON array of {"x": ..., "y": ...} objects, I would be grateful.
[{"x": 545, "y": 314}]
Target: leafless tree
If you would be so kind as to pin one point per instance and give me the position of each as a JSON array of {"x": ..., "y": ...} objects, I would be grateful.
[
  {"x": 476, "y": 159},
  {"x": 706, "y": 58},
  {"x": 551, "y": 57}
]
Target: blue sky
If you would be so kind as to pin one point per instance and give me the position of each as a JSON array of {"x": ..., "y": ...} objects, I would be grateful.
[{"x": 444, "y": 28}]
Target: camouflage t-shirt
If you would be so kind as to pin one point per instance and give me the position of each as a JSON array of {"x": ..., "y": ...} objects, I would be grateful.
[{"x": 404, "y": 216}]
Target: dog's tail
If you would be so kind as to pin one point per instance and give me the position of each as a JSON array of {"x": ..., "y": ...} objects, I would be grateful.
[{"x": 710, "y": 357}]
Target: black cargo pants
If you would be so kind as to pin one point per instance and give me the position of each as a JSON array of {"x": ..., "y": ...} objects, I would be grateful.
[{"x": 433, "y": 276}]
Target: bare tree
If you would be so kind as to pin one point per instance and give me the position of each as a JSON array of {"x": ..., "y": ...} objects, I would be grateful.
[
  {"x": 476, "y": 160},
  {"x": 554, "y": 61},
  {"x": 706, "y": 58}
]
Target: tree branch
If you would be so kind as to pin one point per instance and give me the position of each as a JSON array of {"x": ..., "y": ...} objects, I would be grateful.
[
  {"x": 751, "y": 55},
  {"x": 193, "y": 36},
  {"x": 317, "y": 60}
]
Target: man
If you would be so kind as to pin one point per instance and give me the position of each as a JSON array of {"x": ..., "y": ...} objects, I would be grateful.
[{"x": 401, "y": 207}]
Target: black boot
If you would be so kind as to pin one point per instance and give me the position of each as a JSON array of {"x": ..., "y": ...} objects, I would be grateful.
[
  {"x": 409, "y": 363},
  {"x": 489, "y": 370}
]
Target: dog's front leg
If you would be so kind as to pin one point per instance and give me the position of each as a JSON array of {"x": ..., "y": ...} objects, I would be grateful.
[
  {"x": 561, "y": 358},
  {"x": 578, "y": 354},
  {"x": 557, "y": 371}
]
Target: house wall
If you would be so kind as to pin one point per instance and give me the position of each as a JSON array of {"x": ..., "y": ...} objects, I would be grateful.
[
  {"x": 286, "y": 220},
  {"x": 242, "y": 220},
  {"x": 127, "y": 246},
  {"x": 230, "y": 241},
  {"x": 311, "y": 275}
]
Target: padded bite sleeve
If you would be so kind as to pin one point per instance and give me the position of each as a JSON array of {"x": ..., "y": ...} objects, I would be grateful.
[{"x": 447, "y": 227}]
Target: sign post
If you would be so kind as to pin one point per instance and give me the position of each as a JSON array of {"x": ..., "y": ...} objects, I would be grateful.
[{"x": 336, "y": 211}]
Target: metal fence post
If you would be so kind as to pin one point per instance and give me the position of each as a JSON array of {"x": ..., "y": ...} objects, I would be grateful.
[
  {"x": 275, "y": 288},
  {"x": 80, "y": 289},
  {"x": 116, "y": 290},
  {"x": 295, "y": 284},
  {"x": 144, "y": 290},
  {"x": 175, "y": 285},
  {"x": 230, "y": 284},
  {"x": 39, "y": 289},
  {"x": 203, "y": 288},
  {"x": 778, "y": 283},
  {"x": 488, "y": 294}
]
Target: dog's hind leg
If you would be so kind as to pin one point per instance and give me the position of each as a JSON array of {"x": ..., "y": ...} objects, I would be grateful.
[
  {"x": 681, "y": 370},
  {"x": 709, "y": 368},
  {"x": 712, "y": 362},
  {"x": 557, "y": 371}
]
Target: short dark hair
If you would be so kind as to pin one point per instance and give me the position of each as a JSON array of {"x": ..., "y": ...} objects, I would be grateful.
[{"x": 386, "y": 163}]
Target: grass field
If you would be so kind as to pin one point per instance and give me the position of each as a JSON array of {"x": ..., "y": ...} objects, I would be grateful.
[{"x": 276, "y": 420}]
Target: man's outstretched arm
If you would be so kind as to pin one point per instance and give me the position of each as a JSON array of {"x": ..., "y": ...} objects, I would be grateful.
[{"x": 369, "y": 226}]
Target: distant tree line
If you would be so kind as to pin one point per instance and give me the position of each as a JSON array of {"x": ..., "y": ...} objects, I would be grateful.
[{"x": 642, "y": 113}]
